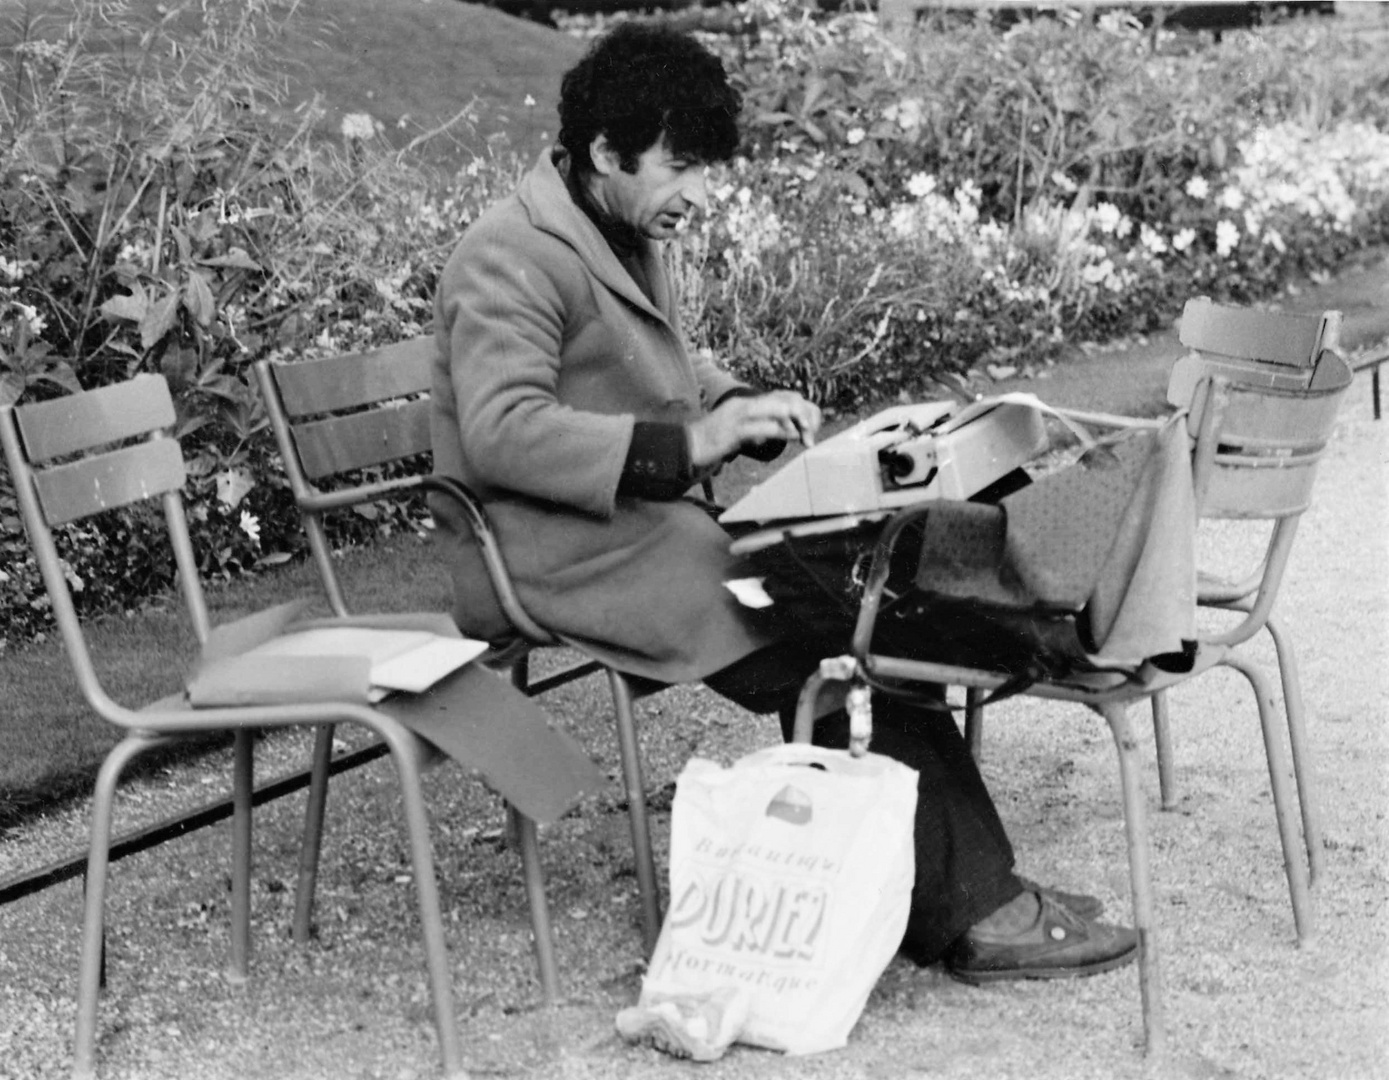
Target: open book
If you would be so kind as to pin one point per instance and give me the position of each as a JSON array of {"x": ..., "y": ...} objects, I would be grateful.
[{"x": 291, "y": 664}]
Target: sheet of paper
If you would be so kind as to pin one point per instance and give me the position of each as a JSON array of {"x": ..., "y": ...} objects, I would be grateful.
[
  {"x": 410, "y": 660},
  {"x": 421, "y": 666}
]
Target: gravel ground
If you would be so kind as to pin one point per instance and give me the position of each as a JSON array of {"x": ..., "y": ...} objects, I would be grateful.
[{"x": 1242, "y": 999}]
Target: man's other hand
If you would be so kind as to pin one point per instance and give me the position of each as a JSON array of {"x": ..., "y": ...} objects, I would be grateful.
[{"x": 750, "y": 421}]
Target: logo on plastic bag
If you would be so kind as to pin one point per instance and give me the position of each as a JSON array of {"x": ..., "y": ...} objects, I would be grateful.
[{"x": 792, "y": 805}]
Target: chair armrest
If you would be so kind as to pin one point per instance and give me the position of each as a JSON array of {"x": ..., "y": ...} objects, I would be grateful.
[
  {"x": 1112, "y": 420},
  {"x": 467, "y": 501}
]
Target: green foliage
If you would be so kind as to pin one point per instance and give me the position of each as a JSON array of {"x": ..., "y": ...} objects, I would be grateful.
[
  {"x": 949, "y": 202},
  {"x": 160, "y": 212},
  {"x": 955, "y": 197}
]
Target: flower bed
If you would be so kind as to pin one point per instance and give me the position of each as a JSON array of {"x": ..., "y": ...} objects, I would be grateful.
[{"x": 952, "y": 203}]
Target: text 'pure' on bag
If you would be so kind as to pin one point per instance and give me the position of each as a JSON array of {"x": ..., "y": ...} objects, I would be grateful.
[{"x": 790, "y": 876}]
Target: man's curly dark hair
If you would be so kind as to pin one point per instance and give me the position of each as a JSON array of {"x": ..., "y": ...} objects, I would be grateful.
[{"x": 637, "y": 83}]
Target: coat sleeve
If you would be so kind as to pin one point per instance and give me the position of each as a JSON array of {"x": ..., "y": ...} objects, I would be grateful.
[
  {"x": 715, "y": 383},
  {"x": 502, "y": 307}
]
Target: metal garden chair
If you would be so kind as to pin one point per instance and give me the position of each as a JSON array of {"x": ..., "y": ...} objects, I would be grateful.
[
  {"x": 1278, "y": 350},
  {"x": 1255, "y": 452},
  {"x": 77, "y": 456},
  {"x": 343, "y": 413}
]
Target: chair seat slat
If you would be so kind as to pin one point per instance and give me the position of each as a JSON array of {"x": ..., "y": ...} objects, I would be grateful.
[
  {"x": 107, "y": 481},
  {"x": 311, "y": 387},
  {"x": 66, "y": 425},
  {"x": 343, "y": 443}
]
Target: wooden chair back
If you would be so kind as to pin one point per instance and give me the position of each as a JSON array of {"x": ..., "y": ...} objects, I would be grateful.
[
  {"x": 80, "y": 455},
  {"x": 1271, "y": 348},
  {"x": 336, "y": 416},
  {"x": 1258, "y": 444}
]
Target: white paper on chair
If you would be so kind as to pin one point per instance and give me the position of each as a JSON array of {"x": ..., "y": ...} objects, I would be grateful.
[{"x": 409, "y": 660}]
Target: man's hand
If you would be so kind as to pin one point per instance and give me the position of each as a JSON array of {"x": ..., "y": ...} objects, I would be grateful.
[{"x": 747, "y": 421}]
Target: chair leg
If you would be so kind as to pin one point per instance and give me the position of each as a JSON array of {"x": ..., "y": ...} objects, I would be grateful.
[
  {"x": 636, "y": 809},
  {"x": 98, "y": 860},
  {"x": 243, "y": 779},
  {"x": 1140, "y": 878},
  {"x": 1293, "y": 862},
  {"x": 312, "y": 849},
  {"x": 529, "y": 844},
  {"x": 1162, "y": 736},
  {"x": 1303, "y": 770},
  {"x": 974, "y": 721},
  {"x": 431, "y": 918}
]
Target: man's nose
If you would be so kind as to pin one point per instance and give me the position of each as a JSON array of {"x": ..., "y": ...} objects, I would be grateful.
[{"x": 694, "y": 190}]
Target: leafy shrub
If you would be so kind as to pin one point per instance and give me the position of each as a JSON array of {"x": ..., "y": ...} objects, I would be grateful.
[
  {"x": 161, "y": 212},
  {"x": 1054, "y": 181},
  {"x": 944, "y": 203}
]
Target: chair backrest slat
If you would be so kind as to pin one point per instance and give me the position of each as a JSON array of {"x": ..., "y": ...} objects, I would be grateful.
[
  {"x": 340, "y": 444},
  {"x": 1268, "y": 337},
  {"x": 66, "y": 425},
  {"x": 1268, "y": 443},
  {"x": 107, "y": 481},
  {"x": 311, "y": 387},
  {"x": 1261, "y": 487}
]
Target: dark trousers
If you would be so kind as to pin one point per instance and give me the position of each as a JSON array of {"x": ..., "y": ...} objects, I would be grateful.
[{"x": 964, "y": 862}]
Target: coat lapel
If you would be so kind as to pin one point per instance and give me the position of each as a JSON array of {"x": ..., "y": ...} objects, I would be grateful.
[{"x": 547, "y": 201}]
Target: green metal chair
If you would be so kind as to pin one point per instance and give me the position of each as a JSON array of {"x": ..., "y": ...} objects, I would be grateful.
[
  {"x": 1280, "y": 350},
  {"x": 1248, "y": 347},
  {"x": 1255, "y": 451},
  {"x": 77, "y": 456},
  {"x": 343, "y": 413}
]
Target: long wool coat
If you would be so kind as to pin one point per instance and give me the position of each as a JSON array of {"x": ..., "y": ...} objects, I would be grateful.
[{"x": 548, "y": 354}]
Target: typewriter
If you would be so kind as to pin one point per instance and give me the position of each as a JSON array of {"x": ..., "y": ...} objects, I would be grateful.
[{"x": 928, "y": 450}]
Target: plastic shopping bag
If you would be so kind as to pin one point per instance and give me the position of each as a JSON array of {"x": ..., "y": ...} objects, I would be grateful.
[{"x": 790, "y": 878}]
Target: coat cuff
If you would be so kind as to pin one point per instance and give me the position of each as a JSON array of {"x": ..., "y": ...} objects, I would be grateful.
[
  {"x": 766, "y": 451},
  {"x": 658, "y": 462}
]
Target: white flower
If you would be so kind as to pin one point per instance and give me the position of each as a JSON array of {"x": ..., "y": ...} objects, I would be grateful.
[
  {"x": 921, "y": 184},
  {"x": 1183, "y": 239},
  {"x": 250, "y": 525},
  {"x": 358, "y": 126},
  {"x": 529, "y": 102},
  {"x": 1274, "y": 239},
  {"x": 1197, "y": 187},
  {"x": 1226, "y": 237},
  {"x": 11, "y": 269},
  {"x": 854, "y": 136},
  {"x": 1097, "y": 272},
  {"x": 1232, "y": 198},
  {"x": 31, "y": 315},
  {"x": 909, "y": 114},
  {"x": 1107, "y": 217},
  {"x": 1151, "y": 239}
]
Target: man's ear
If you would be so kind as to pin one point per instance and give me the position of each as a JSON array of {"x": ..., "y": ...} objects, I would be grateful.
[{"x": 605, "y": 159}]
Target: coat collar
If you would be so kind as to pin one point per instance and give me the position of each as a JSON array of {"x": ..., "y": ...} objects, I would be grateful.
[{"x": 551, "y": 208}]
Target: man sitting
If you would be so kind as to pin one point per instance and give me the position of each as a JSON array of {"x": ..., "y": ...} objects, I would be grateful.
[{"x": 566, "y": 396}]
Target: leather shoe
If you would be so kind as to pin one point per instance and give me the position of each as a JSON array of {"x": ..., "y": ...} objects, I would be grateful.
[
  {"x": 1086, "y": 906},
  {"x": 1058, "y": 945}
]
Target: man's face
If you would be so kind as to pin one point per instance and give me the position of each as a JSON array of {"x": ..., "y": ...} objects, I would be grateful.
[{"x": 663, "y": 192}]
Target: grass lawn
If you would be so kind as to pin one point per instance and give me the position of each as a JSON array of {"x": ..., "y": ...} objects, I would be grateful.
[
  {"x": 412, "y": 64},
  {"x": 51, "y": 742}
]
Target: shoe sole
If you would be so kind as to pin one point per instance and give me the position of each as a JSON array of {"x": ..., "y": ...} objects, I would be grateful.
[{"x": 980, "y": 977}]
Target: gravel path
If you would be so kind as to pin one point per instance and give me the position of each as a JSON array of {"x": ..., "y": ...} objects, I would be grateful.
[{"x": 1242, "y": 1000}]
